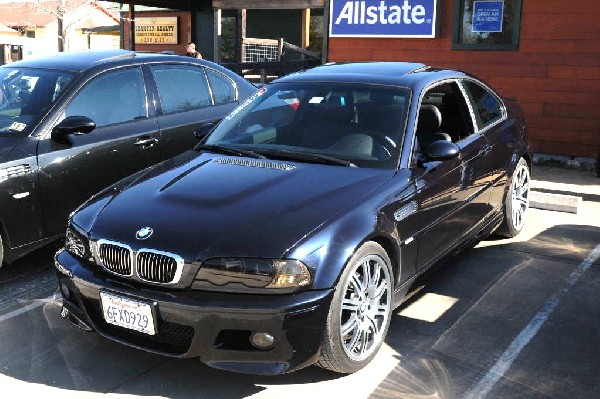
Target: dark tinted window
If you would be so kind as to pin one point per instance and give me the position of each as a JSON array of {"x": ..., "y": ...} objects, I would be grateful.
[
  {"x": 487, "y": 107},
  {"x": 222, "y": 87},
  {"x": 181, "y": 87},
  {"x": 26, "y": 95},
  {"x": 113, "y": 97}
]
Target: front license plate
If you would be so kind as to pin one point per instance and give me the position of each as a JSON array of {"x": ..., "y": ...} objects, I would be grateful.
[{"x": 127, "y": 313}]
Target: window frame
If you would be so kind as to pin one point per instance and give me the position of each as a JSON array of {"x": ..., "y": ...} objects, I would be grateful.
[
  {"x": 459, "y": 6},
  {"x": 104, "y": 74},
  {"x": 160, "y": 100},
  {"x": 482, "y": 128},
  {"x": 207, "y": 72}
]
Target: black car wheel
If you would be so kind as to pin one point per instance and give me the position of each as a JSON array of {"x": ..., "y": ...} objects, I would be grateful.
[
  {"x": 516, "y": 202},
  {"x": 1, "y": 251},
  {"x": 359, "y": 315}
]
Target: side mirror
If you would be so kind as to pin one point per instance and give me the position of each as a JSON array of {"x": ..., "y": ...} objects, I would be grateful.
[
  {"x": 72, "y": 125},
  {"x": 441, "y": 150},
  {"x": 204, "y": 129}
]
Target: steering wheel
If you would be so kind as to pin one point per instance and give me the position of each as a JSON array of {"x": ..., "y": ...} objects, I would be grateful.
[{"x": 388, "y": 145}]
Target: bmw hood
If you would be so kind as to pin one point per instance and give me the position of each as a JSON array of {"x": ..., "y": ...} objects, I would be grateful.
[{"x": 217, "y": 205}]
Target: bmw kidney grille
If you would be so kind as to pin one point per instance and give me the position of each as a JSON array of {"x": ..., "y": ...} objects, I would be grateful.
[
  {"x": 115, "y": 258},
  {"x": 156, "y": 267},
  {"x": 149, "y": 265}
]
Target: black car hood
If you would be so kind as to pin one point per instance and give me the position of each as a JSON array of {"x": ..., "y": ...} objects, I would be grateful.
[
  {"x": 7, "y": 143},
  {"x": 226, "y": 206}
]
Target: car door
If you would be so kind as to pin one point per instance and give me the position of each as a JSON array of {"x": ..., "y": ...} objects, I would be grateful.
[
  {"x": 453, "y": 195},
  {"x": 125, "y": 140},
  {"x": 491, "y": 122},
  {"x": 186, "y": 99}
]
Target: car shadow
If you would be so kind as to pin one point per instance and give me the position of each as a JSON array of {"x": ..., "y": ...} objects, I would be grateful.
[{"x": 493, "y": 289}]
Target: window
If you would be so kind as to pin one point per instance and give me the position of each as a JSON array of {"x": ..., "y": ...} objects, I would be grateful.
[
  {"x": 222, "y": 87},
  {"x": 487, "y": 107},
  {"x": 487, "y": 24},
  {"x": 181, "y": 88},
  {"x": 113, "y": 97},
  {"x": 26, "y": 95}
]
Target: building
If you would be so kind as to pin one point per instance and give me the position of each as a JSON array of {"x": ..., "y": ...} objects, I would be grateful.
[
  {"x": 86, "y": 24},
  {"x": 544, "y": 53}
]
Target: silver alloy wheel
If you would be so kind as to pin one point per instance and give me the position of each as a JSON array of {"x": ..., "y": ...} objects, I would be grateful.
[
  {"x": 520, "y": 196},
  {"x": 365, "y": 307}
]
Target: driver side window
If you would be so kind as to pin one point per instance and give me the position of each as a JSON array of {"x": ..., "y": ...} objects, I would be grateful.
[
  {"x": 443, "y": 115},
  {"x": 113, "y": 97}
]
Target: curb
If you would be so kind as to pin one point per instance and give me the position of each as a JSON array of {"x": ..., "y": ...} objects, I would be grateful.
[{"x": 554, "y": 202}]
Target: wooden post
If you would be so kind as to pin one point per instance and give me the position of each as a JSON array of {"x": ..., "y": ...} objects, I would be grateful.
[
  {"x": 217, "y": 36},
  {"x": 131, "y": 27},
  {"x": 240, "y": 35},
  {"x": 305, "y": 28},
  {"x": 279, "y": 48}
]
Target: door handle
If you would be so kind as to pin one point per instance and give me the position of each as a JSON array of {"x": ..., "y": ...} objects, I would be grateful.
[
  {"x": 145, "y": 142},
  {"x": 486, "y": 149}
]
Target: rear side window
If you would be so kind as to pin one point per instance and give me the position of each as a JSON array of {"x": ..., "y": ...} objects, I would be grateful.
[
  {"x": 181, "y": 87},
  {"x": 222, "y": 87},
  {"x": 487, "y": 107}
]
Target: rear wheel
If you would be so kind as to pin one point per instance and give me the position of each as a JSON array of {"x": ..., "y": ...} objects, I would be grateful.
[
  {"x": 359, "y": 314},
  {"x": 516, "y": 202}
]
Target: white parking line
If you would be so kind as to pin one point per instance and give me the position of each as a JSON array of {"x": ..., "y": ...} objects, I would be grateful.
[
  {"x": 502, "y": 365},
  {"x": 27, "y": 308}
]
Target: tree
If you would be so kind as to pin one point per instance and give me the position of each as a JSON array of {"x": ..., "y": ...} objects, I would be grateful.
[{"x": 59, "y": 9}]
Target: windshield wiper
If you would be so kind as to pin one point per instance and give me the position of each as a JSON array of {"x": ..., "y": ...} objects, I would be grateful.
[
  {"x": 307, "y": 156},
  {"x": 230, "y": 150}
]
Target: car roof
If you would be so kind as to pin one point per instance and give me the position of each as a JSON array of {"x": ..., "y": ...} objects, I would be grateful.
[
  {"x": 79, "y": 61},
  {"x": 407, "y": 74}
]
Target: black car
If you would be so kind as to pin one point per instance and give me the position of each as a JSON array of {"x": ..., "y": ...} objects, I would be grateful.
[
  {"x": 138, "y": 109},
  {"x": 295, "y": 228}
]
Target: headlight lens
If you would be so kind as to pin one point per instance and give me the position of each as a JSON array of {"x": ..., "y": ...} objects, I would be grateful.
[
  {"x": 244, "y": 274},
  {"x": 76, "y": 244}
]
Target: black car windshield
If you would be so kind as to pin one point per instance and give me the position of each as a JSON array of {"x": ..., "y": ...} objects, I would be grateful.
[
  {"x": 359, "y": 124},
  {"x": 25, "y": 96}
]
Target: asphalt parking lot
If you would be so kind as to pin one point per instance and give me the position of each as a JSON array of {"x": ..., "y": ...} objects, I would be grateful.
[{"x": 508, "y": 318}]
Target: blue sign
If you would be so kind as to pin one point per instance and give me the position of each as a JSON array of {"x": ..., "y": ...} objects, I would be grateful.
[
  {"x": 487, "y": 16},
  {"x": 383, "y": 18}
]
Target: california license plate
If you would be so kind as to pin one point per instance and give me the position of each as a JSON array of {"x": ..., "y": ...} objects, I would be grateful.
[{"x": 127, "y": 313}]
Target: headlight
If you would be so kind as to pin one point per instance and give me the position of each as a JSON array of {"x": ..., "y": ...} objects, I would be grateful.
[
  {"x": 252, "y": 275},
  {"x": 76, "y": 244}
]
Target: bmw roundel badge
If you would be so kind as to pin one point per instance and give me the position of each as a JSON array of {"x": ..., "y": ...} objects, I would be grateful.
[{"x": 143, "y": 233}]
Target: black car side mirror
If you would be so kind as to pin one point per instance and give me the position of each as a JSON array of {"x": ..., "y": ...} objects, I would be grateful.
[
  {"x": 72, "y": 125},
  {"x": 441, "y": 150},
  {"x": 204, "y": 129}
]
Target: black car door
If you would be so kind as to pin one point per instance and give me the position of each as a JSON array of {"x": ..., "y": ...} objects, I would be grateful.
[
  {"x": 491, "y": 118},
  {"x": 453, "y": 195},
  {"x": 125, "y": 140},
  {"x": 188, "y": 96}
]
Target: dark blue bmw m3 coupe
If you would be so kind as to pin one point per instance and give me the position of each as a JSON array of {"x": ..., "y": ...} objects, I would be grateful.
[{"x": 296, "y": 226}]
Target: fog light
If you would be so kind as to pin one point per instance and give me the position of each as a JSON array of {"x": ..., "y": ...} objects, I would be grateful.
[{"x": 262, "y": 340}]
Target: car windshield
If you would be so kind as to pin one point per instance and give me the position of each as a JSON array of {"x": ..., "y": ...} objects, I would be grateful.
[
  {"x": 358, "y": 125},
  {"x": 26, "y": 95}
]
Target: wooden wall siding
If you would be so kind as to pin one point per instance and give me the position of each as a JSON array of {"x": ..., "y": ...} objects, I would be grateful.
[{"x": 555, "y": 74}]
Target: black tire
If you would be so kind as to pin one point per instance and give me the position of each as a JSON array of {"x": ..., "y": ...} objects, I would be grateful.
[
  {"x": 517, "y": 195},
  {"x": 1, "y": 251},
  {"x": 337, "y": 349}
]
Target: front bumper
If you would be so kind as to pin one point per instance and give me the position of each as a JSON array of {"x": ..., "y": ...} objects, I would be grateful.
[{"x": 215, "y": 327}]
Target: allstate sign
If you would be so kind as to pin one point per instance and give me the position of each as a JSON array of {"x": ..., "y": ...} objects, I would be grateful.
[{"x": 383, "y": 18}]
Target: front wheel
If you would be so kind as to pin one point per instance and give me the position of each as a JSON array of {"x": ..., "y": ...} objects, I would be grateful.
[
  {"x": 360, "y": 311},
  {"x": 1, "y": 251},
  {"x": 516, "y": 202}
]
